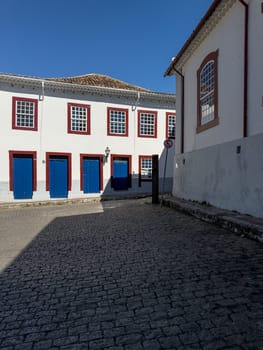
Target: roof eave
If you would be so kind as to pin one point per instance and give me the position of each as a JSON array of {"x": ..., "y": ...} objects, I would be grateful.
[
  {"x": 177, "y": 62},
  {"x": 94, "y": 90}
]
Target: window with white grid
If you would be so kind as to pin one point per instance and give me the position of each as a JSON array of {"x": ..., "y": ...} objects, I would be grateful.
[
  {"x": 78, "y": 118},
  {"x": 207, "y": 89},
  {"x": 24, "y": 114},
  {"x": 117, "y": 122},
  {"x": 146, "y": 168},
  {"x": 147, "y": 124},
  {"x": 171, "y": 120}
]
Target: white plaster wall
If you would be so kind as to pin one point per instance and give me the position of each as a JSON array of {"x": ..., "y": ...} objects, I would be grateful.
[
  {"x": 227, "y": 37},
  {"x": 52, "y": 136},
  {"x": 255, "y": 71},
  {"x": 222, "y": 177},
  {"x": 210, "y": 170}
]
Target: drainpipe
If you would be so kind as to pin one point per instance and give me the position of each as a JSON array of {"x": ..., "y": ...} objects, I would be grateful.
[
  {"x": 134, "y": 109},
  {"x": 245, "y": 98},
  {"x": 182, "y": 107}
]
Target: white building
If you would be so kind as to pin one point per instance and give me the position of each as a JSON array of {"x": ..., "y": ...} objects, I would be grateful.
[
  {"x": 80, "y": 137},
  {"x": 219, "y": 89}
]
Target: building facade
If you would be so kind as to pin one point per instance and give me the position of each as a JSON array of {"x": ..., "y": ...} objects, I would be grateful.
[
  {"x": 80, "y": 137},
  {"x": 219, "y": 88}
]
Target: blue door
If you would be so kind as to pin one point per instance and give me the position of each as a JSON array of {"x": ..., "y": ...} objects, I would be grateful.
[
  {"x": 91, "y": 175},
  {"x": 120, "y": 174},
  {"x": 58, "y": 177},
  {"x": 23, "y": 176}
]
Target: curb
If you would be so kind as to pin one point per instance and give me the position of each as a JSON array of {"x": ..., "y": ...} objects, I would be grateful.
[
  {"x": 69, "y": 201},
  {"x": 21, "y": 205},
  {"x": 235, "y": 222}
]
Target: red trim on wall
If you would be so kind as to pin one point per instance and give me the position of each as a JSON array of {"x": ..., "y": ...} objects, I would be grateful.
[
  {"x": 109, "y": 109},
  {"x": 82, "y": 156},
  {"x": 167, "y": 120},
  {"x": 11, "y": 156},
  {"x": 245, "y": 93},
  {"x": 68, "y": 155},
  {"x": 262, "y": 7},
  {"x": 155, "y": 123},
  {"x": 212, "y": 56},
  {"x": 122, "y": 156},
  {"x": 182, "y": 114},
  {"x": 35, "y": 101},
  {"x": 69, "y": 119}
]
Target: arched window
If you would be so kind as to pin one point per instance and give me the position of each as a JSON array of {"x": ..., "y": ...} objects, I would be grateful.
[{"x": 207, "y": 107}]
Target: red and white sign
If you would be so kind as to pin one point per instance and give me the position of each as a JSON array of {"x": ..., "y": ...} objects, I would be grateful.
[{"x": 168, "y": 143}]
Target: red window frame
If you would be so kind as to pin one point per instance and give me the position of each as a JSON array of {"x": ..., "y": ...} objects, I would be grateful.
[
  {"x": 155, "y": 123},
  {"x": 212, "y": 56},
  {"x": 140, "y": 169},
  {"x": 70, "y": 131},
  {"x": 109, "y": 133},
  {"x": 14, "y": 113},
  {"x": 69, "y": 156},
  {"x": 82, "y": 156},
  {"x": 11, "y": 156},
  {"x": 168, "y": 114}
]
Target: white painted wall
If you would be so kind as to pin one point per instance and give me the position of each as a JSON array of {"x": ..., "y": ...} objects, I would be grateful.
[
  {"x": 52, "y": 136},
  {"x": 223, "y": 178},
  {"x": 210, "y": 170},
  {"x": 227, "y": 37}
]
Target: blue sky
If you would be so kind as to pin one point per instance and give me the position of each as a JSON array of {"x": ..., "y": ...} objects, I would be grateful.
[{"x": 131, "y": 40}]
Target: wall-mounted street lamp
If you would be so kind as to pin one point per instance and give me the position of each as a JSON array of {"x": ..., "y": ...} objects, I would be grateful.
[{"x": 107, "y": 152}]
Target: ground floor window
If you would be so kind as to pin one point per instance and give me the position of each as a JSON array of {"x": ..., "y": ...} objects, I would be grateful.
[{"x": 145, "y": 169}]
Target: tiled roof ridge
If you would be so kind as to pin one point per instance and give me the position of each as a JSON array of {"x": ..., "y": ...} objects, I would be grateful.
[{"x": 95, "y": 79}]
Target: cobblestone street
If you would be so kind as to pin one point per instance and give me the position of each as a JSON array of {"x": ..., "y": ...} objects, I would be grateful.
[{"x": 126, "y": 275}]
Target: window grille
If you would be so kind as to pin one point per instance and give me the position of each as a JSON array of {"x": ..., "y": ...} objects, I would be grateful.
[
  {"x": 25, "y": 114},
  {"x": 79, "y": 118},
  {"x": 146, "y": 168},
  {"x": 171, "y": 126},
  {"x": 147, "y": 124},
  {"x": 118, "y": 122},
  {"x": 207, "y": 89}
]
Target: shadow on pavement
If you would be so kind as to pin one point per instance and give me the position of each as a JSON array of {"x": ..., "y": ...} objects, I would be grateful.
[{"x": 134, "y": 276}]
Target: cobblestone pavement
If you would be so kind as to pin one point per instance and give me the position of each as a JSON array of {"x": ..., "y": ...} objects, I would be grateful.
[{"x": 126, "y": 275}]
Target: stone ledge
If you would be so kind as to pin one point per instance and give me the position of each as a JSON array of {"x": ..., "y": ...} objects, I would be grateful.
[{"x": 235, "y": 222}]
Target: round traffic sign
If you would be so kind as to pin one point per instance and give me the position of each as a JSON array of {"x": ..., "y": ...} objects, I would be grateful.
[{"x": 168, "y": 143}]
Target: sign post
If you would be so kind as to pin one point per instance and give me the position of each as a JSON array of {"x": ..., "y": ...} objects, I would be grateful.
[{"x": 168, "y": 143}]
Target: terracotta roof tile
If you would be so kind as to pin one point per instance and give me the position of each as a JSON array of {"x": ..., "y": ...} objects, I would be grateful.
[{"x": 99, "y": 80}]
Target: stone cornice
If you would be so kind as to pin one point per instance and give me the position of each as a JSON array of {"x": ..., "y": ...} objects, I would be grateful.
[{"x": 31, "y": 82}]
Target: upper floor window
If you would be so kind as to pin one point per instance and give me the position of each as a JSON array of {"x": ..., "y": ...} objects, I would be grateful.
[
  {"x": 170, "y": 125},
  {"x": 147, "y": 124},
  {"x": 117, "y": 121},
  {"x": 25, "y": 113},
  {"x": 207, "y": 81},
  {"x": 78, "y": 118}
]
